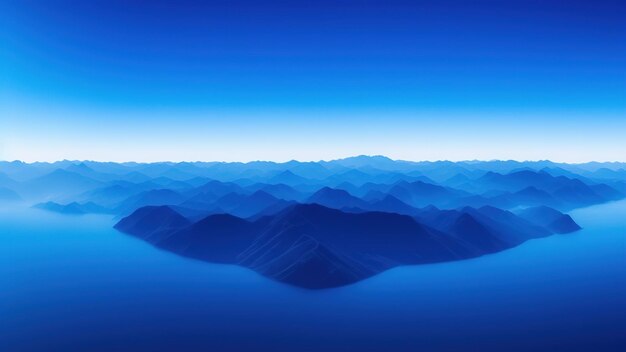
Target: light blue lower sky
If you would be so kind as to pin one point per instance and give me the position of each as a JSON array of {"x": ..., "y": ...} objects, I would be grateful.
[{"x": 34, "y": 132}]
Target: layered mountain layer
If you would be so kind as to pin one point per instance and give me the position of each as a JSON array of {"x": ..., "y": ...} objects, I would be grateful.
[{"x": 326, "y": 223}]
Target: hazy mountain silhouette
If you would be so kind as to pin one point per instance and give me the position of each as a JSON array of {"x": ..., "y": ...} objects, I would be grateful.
[
  {"x": 391, "y": 204},
  {"x": 152, "y": 197},
  {"x": 338, "y": 199},
  {"x": 287, "y": 177},
  {"x": 249, "y": 205},
  {"x": 7, "y": 182},
  {"x": 550, "y": 218},
  {"x": 539, "y": 186},
  {"x": 278, "y": 190},
  {"x": 420, "y": 194},
  {"x": 73, "y": 208},
  {"x": 8, "y": 195},
  {"x": 58, "y": 183},
  {"x": 217, "y": 188}
]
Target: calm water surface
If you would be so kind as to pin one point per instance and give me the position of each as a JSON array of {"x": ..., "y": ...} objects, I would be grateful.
[{"x": 72, "y": 283}]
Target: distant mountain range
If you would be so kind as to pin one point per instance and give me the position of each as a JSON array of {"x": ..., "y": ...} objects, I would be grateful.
[
  {"x": 322, "y": 224},
  {"x": 73, "y": 208}
]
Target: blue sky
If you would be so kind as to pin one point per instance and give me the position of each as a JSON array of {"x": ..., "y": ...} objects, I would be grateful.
[{"x": 280, "y": 80}]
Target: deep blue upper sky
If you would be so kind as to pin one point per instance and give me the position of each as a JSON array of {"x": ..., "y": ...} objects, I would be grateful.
[{"x": 313, "y": 58}]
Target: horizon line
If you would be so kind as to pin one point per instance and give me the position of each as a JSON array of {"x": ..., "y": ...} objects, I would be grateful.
[{"x": 313, "y": 161}]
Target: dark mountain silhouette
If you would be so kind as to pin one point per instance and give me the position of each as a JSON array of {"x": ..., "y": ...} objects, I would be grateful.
[
  {"x": 152, "y": 221},
  {"x": 217, "y": 238},
  {"x": 313, "y": 246},
  {"x": 307, "y": 263}
]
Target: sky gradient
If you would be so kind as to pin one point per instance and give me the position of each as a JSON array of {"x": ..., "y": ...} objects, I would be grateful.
[{"x": 281, "y": 80}]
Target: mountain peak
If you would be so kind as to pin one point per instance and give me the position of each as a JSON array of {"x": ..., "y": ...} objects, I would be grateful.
[{"x": 149, "y": 220}]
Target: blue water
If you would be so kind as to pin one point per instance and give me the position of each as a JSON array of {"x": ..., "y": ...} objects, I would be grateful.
[{"x": 72, "y": 283}]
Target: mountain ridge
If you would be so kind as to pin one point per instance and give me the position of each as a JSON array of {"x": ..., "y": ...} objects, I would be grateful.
[{"x": 313, "y": 246}]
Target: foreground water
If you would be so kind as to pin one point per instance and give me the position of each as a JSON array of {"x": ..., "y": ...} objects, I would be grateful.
[{"x": 72, "y": 283}]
